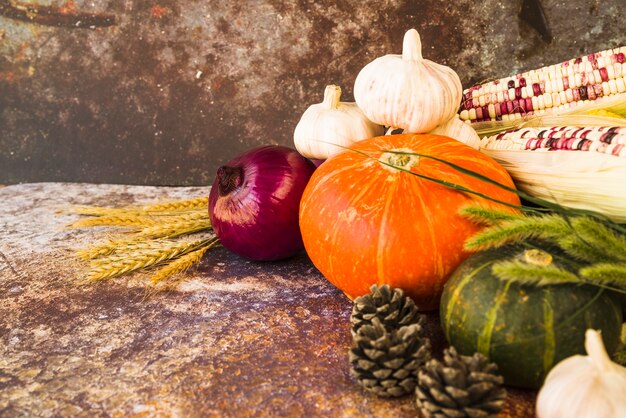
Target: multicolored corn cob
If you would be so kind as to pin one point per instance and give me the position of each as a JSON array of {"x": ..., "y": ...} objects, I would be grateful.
[
  {"x": 606, "y": 140},
  {"x": 548, "y": 89}
]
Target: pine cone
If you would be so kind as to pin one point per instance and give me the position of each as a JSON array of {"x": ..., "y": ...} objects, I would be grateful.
[
  {"x": 460, "y": 387},
  {"x": 387, "y": 304},
  {"x": 386, "y": 362}
]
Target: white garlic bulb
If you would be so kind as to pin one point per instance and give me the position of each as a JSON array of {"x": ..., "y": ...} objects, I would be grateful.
[
  {"x": 589, "y": 386},
  {"x": 327, "y": 128},
  {"x": 407, "y": 91},
  {"x": 459, "y": 130}
]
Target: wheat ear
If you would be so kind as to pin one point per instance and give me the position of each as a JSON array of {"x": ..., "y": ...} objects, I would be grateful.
[
  {"x": 182, "y": 263},
  {"x": 175, "y": 229},
  {"x": 121, "y": 246},
  {"x": 200, "y": 203},
  {"x": 189, "y": 204},
  {"x": 116, "y": 265},
  {"x": 115, "y": 220}
]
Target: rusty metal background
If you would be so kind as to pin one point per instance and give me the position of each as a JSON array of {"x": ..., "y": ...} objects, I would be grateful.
[{"x": 163, "y": 92}]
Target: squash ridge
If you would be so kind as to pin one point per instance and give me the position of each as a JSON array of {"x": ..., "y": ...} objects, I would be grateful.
[
  {"x": 457, "y": 292},
  {"x": 484, "y": 339},
  {"x": 550, "y": 340},
  {"x": 382, "y": 233}
]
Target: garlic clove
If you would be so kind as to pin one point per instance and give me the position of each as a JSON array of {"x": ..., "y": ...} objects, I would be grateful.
[
  {"x": 459, "y": 130},
  {"x": 589, "y": 386}
]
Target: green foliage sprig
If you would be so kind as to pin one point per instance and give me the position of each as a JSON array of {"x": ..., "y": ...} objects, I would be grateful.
[{"x": 593, "y": 245}]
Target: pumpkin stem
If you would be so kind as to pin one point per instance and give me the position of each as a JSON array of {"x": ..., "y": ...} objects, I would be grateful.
[
  {"x": 411, "y": 46},
  {"x": 403, "y": 158},
  {"x": 228, "y": 179},
  {"x": 332, "y": 94},
  {"x": 537, "y": 257},
  {"x": 399, "y": 160}
]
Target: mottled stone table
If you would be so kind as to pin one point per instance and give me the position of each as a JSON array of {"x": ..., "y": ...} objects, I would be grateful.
[{"x": 238, "y": 338}]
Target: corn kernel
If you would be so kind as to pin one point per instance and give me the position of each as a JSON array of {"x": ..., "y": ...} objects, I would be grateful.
[{"x": 541, "y": 102}]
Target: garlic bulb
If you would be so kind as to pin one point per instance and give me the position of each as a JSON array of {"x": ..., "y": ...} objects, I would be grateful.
[
  {"x": 407, "y": 91},
  {"x": 325, "y": 128},
  {"x": 459, "y": 130},
  {"x": 589, "y": 386}
]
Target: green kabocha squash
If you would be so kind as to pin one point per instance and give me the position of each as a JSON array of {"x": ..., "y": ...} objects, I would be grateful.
[{"x": 525, "y": 329}]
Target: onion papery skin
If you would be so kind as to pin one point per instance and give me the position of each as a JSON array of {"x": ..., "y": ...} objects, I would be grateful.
[{"x": 258, "y": 218}]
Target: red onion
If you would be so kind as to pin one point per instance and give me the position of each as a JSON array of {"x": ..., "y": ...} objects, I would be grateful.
[{"x": 254, "y": 202}]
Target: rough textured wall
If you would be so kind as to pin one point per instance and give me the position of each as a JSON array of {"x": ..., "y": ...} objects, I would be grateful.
[{"x": 163, "y": 92}]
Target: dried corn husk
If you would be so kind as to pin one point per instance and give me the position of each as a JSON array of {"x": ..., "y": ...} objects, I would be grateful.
[
  {"x": 592, "y": 179},
  {"x": 597, "y": 117}
]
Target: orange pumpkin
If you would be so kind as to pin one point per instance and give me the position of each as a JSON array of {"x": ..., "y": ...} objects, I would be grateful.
[{"x": 364, "y": 222}]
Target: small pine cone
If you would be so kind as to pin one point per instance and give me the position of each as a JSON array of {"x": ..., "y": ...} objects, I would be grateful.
[
  {"x": 460, "y": 387},
  {"x": 386, "y": 362},
  {"x": 387, "y": 304}
]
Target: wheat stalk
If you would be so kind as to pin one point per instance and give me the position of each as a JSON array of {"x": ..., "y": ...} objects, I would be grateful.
[
  {"x": 128, "y": 220},
  {"x": 181, "y": 216},
  {"x": 97, "y": 211},
  {"x": 189, "y": 204},
  {"x": 115, "y": 220},
  {"x": 100, "y": 250},
  {"x": 120, "y": 246},
  {"x": 167, "y": 216},
  {"x": 167, "y": 208},
  {"x": 117, "y": 265},
  {"x": 151, "y": 245},
  {"x": 183, "y": 224},
  {"x": 103, "y": 211},
  {"x": 182, "y": 263},
  {"x": 175, "y": 229}
]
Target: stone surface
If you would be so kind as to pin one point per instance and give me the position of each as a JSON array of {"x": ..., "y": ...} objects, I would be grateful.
[
  {"x": 163, "y": 92},
  {"x": 238, "y": 338}
]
